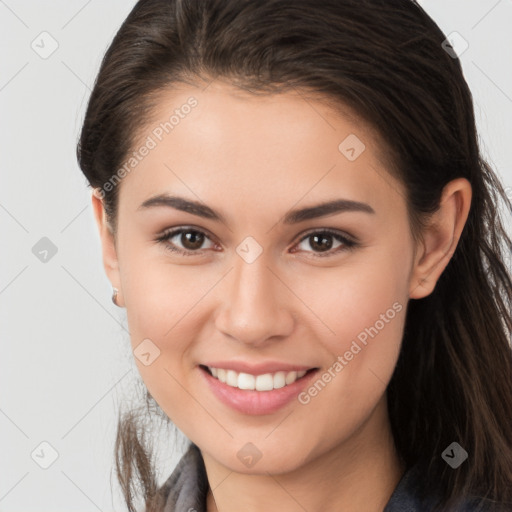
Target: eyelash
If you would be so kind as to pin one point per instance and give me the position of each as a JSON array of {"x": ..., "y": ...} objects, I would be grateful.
[{"x": 348, "y": 244}]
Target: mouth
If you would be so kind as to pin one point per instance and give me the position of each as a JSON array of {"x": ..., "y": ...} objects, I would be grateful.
[
  {"x": 262, "y": 382},
  {"x": 256, "y": 393}
]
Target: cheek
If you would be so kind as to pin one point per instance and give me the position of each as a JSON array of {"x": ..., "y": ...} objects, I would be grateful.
[
  {"x": 157, "y": 297},
  {"x": 162, "y": 307},
  {"x": 158, "y": 294},
  {"x": 366, "y": 328},
  {"x": 362, "y": 299},
  {"x": 363, "y": 311}
]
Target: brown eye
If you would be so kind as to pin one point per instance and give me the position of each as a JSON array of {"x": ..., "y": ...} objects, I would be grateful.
[
  {"x": 322, "y": 242},
  {"x": 191, "y": 241}
]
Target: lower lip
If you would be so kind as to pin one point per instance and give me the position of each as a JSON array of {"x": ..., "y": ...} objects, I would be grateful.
[{"x": 255, "y": 402}]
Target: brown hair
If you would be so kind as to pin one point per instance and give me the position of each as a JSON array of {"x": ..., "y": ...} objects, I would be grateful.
[{"x": 453, "y": 380}]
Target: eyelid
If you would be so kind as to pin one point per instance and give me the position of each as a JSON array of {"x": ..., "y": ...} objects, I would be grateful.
[
  {"x": 186, "y": 227},
  {"x": 330, "y": 231}
]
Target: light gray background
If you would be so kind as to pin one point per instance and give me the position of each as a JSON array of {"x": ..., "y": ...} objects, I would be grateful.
[{"x": 65, "y": 358}]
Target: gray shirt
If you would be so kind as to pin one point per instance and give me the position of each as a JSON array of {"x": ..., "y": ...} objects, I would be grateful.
[{"x": 185, "y": 490}]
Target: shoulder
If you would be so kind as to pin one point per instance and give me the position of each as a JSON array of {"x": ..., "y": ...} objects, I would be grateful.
[
  {"x": 185, "y": 490},
  {"x": 408, "y": 497}
]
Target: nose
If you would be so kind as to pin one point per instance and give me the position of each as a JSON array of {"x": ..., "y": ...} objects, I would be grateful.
[{"x": 256, "y": 306}]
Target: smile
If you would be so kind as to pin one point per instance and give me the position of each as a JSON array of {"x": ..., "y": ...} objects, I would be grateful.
[
  {"x": 264, "y": 382},
  {"x": 256, "y": 393}
]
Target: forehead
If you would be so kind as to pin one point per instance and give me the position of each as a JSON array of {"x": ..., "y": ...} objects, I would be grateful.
[{"x": 221, "y": 142}]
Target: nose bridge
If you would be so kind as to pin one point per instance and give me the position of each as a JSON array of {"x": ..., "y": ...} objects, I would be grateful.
[
  {"x": 253, "y": 283},
  {"x": 255, "y": 308}
]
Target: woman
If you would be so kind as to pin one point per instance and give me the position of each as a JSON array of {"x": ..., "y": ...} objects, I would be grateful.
[{"x": 294, "y": 212}]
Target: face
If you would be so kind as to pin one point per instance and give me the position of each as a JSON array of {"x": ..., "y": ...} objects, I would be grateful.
[{"x": 259, "y": 279}]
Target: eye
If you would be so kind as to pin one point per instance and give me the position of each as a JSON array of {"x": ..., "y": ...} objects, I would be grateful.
[
  {"x": 322, "y": 242},
  {"x": 191, "y": 240}
]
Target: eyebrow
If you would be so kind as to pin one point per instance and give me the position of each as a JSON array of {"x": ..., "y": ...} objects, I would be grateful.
[{"x": 292, "y": 217}]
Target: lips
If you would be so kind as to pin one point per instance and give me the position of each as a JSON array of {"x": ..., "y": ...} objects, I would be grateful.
[{"x": 249, "y": 397}]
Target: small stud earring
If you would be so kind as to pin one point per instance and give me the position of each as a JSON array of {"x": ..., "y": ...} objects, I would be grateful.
[{"x": 114, "y": 296}]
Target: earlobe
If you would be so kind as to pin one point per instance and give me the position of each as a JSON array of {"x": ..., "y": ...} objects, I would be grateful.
[
  {"x": 108, "y": 245},
  {"x": 440, "y": 238}
]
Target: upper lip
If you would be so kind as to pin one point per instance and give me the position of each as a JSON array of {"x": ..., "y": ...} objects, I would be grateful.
[{"x": 257, "y": 369}]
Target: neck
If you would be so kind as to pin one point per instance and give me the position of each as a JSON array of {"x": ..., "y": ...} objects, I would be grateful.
[{"x": 359, "y": 473}]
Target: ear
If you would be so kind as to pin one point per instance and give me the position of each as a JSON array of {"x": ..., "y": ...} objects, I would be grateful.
[
  {"x": 440, "y": 238},
  {"x": 108, "y": 244}
]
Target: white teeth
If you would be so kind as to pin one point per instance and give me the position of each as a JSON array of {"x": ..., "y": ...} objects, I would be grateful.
[
  {"x": 279, "y": 380},
  {"x": 246, "y": 381},
  {"x": 232, "y": 378},
  {"x": 265, "y": 382},
  {"x": 291, "y": 377}
]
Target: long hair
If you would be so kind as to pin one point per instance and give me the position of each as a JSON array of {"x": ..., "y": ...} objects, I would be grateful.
[{"x": 387, "y": 61}]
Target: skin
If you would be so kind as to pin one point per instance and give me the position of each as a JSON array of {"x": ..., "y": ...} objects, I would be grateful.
[{"x": 253, "y": 158}]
